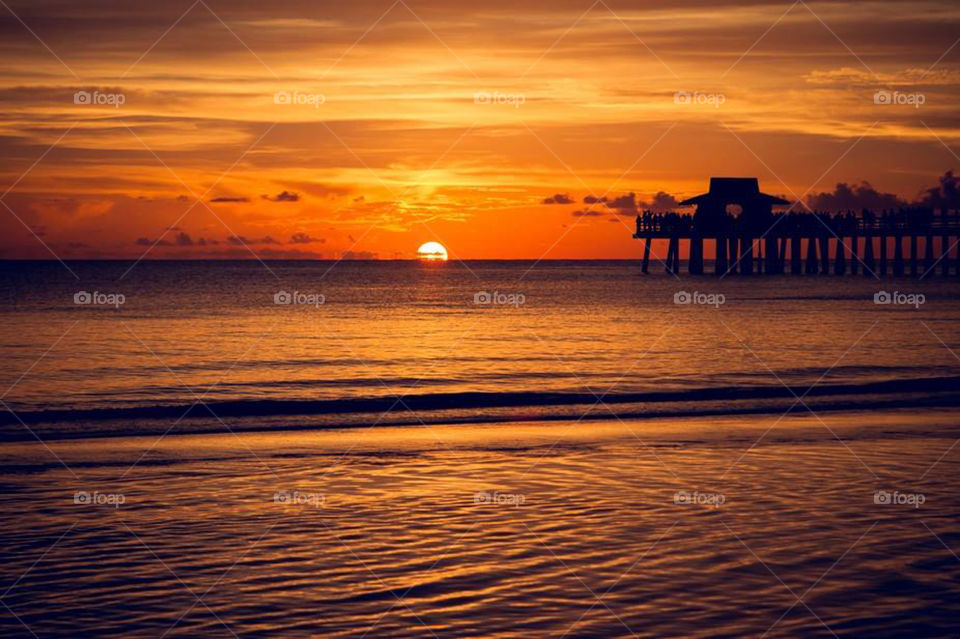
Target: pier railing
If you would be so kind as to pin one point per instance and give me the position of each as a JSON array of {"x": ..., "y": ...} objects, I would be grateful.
[{"x": 854, "y": 240}]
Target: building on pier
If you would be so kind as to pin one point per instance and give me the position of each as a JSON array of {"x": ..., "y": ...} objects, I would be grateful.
[
  {"x": 756, "y": 208},
  {"x": 812, "y": 237}
]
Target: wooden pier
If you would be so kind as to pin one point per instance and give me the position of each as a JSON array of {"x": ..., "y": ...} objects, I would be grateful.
[
  {"x": 759, "y": 241},
  {"x": 810, "y": 253}
]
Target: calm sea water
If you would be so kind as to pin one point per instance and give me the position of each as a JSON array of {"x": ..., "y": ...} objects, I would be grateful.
[
  {"x": 422, "y": 341},
  {"x": 591, "y": 459}
]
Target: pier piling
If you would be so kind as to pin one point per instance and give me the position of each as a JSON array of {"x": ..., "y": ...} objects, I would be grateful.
[
  {"x": 898, "y": 255},
  {"x": 696, "y": 255},
  {"x": 883, "y": 255},
  {"x": 869, "y": 267},
  {"x": 854, "y": 253},
  {"x": 746, "y": 252},
  {"x": 772, "y": 253},
  {"x": 825, "y": 254},
  {"x": 756, "y": 239},
  {"x": 812, "y": 266},
  {"x": 840, "y": 259},
  {"x": 945, "y": 255},
  {"x": 795, "y": 253},
  {"x": 914, "y": 262}
]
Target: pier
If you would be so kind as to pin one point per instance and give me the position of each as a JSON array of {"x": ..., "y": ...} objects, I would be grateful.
[{"x": 749, "y": 238}]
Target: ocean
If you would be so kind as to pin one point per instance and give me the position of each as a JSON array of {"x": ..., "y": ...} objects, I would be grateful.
[
  {"x": 479, "y": 448},
  {"x": 370, "y": 343}
]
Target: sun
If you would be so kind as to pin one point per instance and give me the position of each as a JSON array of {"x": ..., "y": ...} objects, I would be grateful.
[{"x": 432, "y": 252}]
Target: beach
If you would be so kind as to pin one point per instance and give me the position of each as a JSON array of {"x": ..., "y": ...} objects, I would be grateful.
[
  {"x": 476, "y": 449},
  {"x": 685, "y": 527}
]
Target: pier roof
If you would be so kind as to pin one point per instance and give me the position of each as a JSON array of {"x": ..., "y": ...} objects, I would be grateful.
[{"x": 734, "y": 190}]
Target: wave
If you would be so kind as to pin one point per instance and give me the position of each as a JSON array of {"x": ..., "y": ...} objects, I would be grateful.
[{"x": 870, "y": 393}]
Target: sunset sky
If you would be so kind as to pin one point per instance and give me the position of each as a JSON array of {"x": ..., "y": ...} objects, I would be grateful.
[{"x": 394, "y": 143}]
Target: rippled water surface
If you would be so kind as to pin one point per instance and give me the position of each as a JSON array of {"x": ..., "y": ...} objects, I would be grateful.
[
  {"x": 592, "y": 459},
  {"x": 492, "y": 531}
]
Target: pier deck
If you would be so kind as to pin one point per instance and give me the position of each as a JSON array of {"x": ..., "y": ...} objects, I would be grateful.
[{"x": 812, "y": 243}]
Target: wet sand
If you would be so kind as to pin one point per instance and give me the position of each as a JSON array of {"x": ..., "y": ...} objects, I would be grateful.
[{"x": 650, "y": 528}]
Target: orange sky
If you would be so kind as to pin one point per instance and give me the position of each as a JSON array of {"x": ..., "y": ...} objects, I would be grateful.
[{"x": 200, "y": 159}]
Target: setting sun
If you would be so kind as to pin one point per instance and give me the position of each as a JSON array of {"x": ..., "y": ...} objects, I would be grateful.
[{"x": 432, "y": 252}]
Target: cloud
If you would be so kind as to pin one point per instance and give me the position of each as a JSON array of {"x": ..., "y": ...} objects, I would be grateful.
[
  {"x": 558, "y": 198},
  {"x": 180, "y": 239},
  {"x": 221, "y": 105},
  {"x": 587, "y": 213},
  {"x": 303, "y": 238},
  {"x": 319, "y": 189},
  {"x": 224, "y": 198},
  {"x": 240, "y": 240},
  {"x": 662, "y": 201},
  {"x": 283, "y": 196},
  {"x": 855, "y": 197},
  {"x": 946, "y": 195},
  {"x": 146, "y": 241},
  {"x": 848, "y": 77},
  {"x": 267, "y": 253},
  {"x": 626, "y": 203},
  {"x": 359, "y": 255}
]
